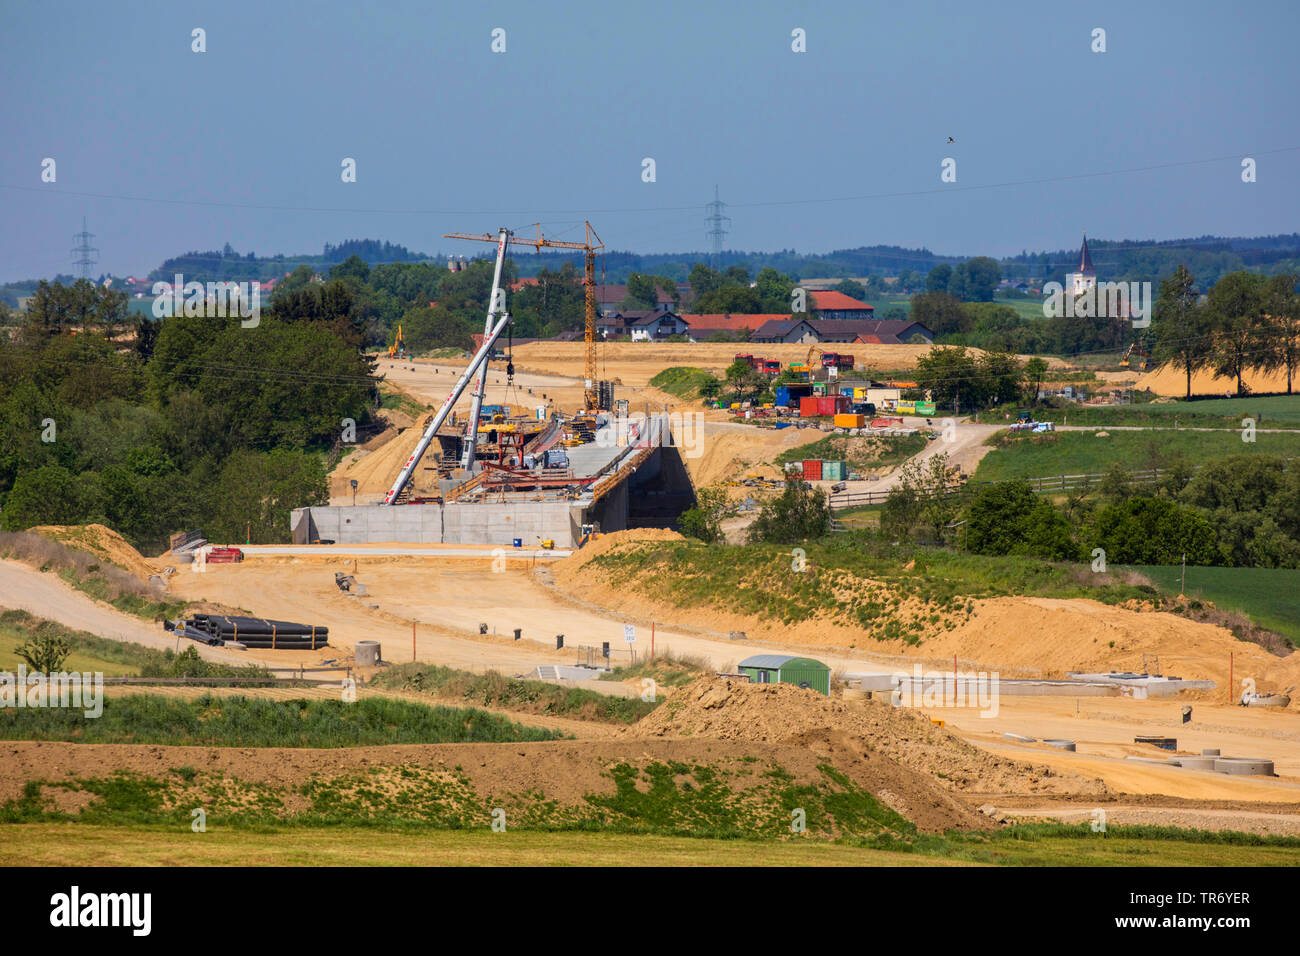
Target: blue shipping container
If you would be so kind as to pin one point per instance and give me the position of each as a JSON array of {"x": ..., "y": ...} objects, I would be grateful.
[{"x": 783, "y": 395}]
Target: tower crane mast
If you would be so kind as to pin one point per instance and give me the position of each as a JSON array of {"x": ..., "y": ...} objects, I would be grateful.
[{"x": 590, "y": 245}]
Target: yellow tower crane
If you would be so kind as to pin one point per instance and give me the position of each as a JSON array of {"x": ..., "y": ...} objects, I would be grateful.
[{"x": 589, "y": 246}]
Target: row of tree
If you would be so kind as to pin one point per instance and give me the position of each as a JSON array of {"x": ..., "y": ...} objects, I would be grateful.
[
  {"x": 1247, "y": 322},
  {"x": 1234, "y": 512},
  {"x": 154, "y": 426}
]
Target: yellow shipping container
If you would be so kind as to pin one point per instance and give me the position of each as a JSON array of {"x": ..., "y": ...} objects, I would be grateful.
[{"x": 849, "y": 421}]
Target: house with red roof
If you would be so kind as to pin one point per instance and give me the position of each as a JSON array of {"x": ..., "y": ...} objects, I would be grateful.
[
  {"x": 838, "y": 306},
  {"x": 701, "y": 326}
]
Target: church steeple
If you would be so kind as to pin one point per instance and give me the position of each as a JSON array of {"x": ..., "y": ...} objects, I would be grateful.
[
  {"x": 1085, "y": 277},
  {"x": 1085, "y": 260}
]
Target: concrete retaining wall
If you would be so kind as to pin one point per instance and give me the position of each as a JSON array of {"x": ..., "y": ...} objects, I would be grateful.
[{"x": 478, "y": 523}]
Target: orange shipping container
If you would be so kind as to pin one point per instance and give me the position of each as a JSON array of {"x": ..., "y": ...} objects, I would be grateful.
[{"x": 849, "y": 421}]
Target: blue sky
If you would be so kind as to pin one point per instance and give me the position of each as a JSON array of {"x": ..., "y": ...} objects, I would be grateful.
[{"x": 837, "y": 147}]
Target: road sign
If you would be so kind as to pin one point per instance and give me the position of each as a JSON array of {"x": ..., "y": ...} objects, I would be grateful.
[{"x": 629, "y": 633}]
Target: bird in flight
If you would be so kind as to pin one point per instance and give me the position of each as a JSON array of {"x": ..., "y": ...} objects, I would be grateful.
[{"x": 951, "y": 140}]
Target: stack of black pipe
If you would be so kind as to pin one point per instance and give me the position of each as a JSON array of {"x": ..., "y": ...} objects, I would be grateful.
[{"x": 259, "y": 632}]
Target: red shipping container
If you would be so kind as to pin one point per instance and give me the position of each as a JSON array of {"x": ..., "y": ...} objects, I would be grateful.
[
  {"x": 832, "y": 405},
  {"x": 812, "y": 469},
  {"x": 809, "y": 406}
]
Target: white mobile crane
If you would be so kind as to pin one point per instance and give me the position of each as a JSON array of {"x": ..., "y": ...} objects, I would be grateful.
[{"x": 479, "y": 360}]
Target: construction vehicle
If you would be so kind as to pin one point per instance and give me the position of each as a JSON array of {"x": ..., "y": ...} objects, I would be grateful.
[
  {"x": 1144, "y": 354},
  {"x": 589, "y": 246},
  {"x": 398, "y": 349}
]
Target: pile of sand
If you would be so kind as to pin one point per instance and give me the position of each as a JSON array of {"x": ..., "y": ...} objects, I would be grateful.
[
  {"x": 1016, "y": 636},
  {"x": 1052, "y": 636},
  {"x": 104, "y": 543},
  {"x": 1171, "y": 381},
  {"x": 568, "y": 567},
  {"x": 739, "y": 453},
  {"x": 375, "y": 470},
  {"x": 725, "y": 708}
]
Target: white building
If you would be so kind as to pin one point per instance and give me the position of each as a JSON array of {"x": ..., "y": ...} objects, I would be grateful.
[{"x": 1086, "y": 277}]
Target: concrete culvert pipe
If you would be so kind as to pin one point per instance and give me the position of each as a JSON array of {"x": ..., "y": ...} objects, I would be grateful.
[
  {"x": 1251, "y": 766},
  {"x": 1060, "y": 744},
  {"x": 1021, "y": 739},
  {"x": 367, "y": 654},
  {"x": 1210, "y": 752}
]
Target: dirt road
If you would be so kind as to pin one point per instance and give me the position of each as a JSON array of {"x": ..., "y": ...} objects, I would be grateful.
[{"x": 45, "y": 595}]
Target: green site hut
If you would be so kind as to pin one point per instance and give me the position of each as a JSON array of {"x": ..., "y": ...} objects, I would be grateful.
[{"x": 784, "y": 669}]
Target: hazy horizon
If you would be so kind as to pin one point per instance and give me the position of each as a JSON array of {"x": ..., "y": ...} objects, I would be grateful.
[{"x": 165, "y": 150}]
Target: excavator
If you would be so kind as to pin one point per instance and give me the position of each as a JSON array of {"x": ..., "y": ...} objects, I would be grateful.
[
  {"x": 1144, "y": 354},
  {"x": 398, "y": 349}
]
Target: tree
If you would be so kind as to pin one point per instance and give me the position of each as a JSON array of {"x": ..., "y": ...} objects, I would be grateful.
[
  {"x": 1282, "y": 308},
  {"x": 799, "y": 513},
  {"x": 49, "y": 495},
  {"x": 901, "y": 513},
  {"x": 45, "y": 653},
  {"x": 975, "y": 279},
  {"x": 774, "y": 290},
  {"x": 643, "y": 291},
  {"x": 852, "y": 289},
  {"x": 1179, "y": 329},
  {"x": 1000, "y": 375},
  {"x": 1154, "y": 531},
  {"x": 1008, "y": 518},
  {"x": 941, "y": 313},
  {"x": 939, "y": 279},
  {"x": 703, "y": 280},
  {"x": 1035, "y": 372},
  {"x": 744, "y": 380},
  {"x": 951, "y": 376},
  {"x": 730, "y": 298},
  {"x": 704, "y": 521},
  {"x": 1236, "y": 309}
]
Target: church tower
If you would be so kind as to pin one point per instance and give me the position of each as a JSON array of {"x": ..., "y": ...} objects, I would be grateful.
[{"x": 1086, "y": 277}]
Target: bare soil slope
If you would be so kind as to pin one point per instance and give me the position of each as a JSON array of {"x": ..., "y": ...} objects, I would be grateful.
[{"x": 733, "y": 709}]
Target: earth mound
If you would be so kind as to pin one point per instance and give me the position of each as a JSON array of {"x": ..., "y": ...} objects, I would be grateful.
[{"x": 728, "y": 708}]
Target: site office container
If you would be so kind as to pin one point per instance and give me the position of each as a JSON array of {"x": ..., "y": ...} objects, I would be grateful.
[
  {"x": 809, "y": 406},
  {"x": 848, "y": 420},
  {"x": 812, "y": 469}
]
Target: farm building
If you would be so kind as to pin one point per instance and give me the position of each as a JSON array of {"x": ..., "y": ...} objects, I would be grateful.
[{"x": 784, "y": 669}]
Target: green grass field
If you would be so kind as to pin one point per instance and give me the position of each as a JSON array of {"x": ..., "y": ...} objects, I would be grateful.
[
  {"x": 684, "y": 381},
  {"x": 525, "y": 696},
  {"x": 1027, "y": 455},
  {"x": 71, "y": 844},
  {"x": 1268, "y": 596},
  {"x": 1273, "y": 411},
  {"x": 11, "y": 638},
  {"x": 258, "y": 722}
]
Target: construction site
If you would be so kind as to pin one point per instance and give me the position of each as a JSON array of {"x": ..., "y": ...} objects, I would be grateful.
[
  {"x": 507, "y": 541},
  {"x": 536, "y": 475}
]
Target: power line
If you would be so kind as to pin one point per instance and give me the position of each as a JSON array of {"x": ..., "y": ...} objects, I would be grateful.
[
  {"x": 944, "y": 189},
  {"x": 716, "y": 232},
  {"x": 83, "y": 253}
]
